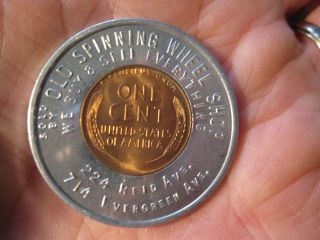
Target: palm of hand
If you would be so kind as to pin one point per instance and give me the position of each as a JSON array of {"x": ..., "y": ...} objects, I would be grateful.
[{"x": 272, "y": 190}]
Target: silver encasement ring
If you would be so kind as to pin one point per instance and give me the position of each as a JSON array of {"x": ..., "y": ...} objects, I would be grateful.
[{"x": 310, "y": 31}]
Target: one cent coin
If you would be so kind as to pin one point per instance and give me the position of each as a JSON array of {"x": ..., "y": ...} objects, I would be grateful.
[
  {"x": 125, "y": 124},
  {"x": 132, "y": 122}
]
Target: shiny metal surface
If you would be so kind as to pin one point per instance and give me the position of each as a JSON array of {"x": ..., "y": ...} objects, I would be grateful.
[
  {"x": 136, "y": 120},
  {"x": 104, "y": 193},
  {"x": 310, "y": 31}
]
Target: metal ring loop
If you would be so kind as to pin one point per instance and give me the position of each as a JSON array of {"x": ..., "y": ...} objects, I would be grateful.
[{"x": 310, "y": 31}]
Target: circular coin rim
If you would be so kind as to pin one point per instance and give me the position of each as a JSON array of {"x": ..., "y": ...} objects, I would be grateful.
[{"x": 125, "y": 22}]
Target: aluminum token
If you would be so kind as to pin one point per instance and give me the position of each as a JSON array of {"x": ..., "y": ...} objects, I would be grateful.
[{"x": 132, "y": 122}]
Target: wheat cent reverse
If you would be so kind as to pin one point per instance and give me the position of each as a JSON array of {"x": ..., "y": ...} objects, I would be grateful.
[
  {"x": 136, "y": 120},
  {"x": 132, "y": 122}
]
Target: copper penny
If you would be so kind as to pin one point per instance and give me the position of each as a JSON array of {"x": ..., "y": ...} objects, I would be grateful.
[{"x": 136, "y": 120}]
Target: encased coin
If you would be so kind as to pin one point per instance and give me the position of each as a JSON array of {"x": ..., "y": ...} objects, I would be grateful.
[{"x": 132, "y": 122}]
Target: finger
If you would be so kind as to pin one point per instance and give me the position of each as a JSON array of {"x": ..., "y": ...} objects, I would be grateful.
[
  {"x": 310, "y": 48},
  {"x": 298, "y": 9},
  {"x": 315, "y": 15}
]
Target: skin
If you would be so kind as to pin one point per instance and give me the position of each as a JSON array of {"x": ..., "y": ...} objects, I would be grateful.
[{"x": 272, "y": 190}]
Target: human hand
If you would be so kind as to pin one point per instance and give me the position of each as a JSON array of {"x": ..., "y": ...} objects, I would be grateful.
[{"x": 273, "y": 187}]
